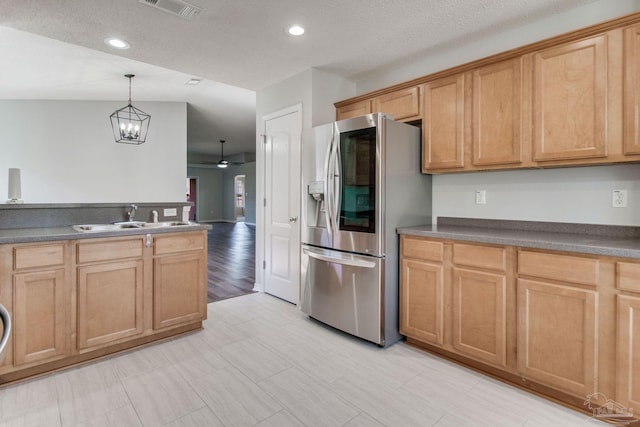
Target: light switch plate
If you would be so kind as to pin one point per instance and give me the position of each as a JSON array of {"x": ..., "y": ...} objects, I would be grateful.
[
  {"x": 481, "y": 197},
  {"x": 170, "y": 212}
]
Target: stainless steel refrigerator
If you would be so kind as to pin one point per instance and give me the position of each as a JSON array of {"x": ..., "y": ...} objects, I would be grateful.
[{"x": 361, "y": 180}]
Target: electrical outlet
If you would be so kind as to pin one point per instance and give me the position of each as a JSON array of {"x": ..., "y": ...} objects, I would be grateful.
[
  {"x": 171, "y": 212},
  {"x": 619, "y": 198},
  {"x": 481, "y": 197}
]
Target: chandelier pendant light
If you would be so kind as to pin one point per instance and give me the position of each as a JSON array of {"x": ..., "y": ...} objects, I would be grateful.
[
  {"x": 222, "y": 163},
  {"x": 130, "y": 124}
]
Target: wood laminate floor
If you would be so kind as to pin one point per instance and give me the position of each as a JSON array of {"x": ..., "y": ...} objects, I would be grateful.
[
  {"x": 260, "y": 362},
  {"x": 231, "y": 260}
]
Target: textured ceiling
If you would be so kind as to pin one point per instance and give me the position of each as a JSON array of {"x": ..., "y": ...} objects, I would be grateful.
[{"x": 240, "y": 43}]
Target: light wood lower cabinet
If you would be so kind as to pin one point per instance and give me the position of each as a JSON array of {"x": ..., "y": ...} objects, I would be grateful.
[
  {"x": 557, "y": 336},
  {"x": 73, "y": 301},
  {"x": 110, "y": 302},
  {"x": 180, "y": 279},
  {"x": 562, "y": 324},
  {"x": 628, "y": 352},
  {"x": 109, "y": 290},
  {"x": 40, "y": 316},
  {"x": 422, "y": 301},
  {"x": 41, "y": 303},
  {"x": 178, "y": 295},
  {"x": 479, "y": 310},
  {"x": 455, "y": 297}
]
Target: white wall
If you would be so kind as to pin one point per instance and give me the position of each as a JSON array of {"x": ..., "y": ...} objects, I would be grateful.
[
  {"x": 452, "y": 55},
  {"x": 67, "y": 153},
  {"x": 579, "y": 195}
]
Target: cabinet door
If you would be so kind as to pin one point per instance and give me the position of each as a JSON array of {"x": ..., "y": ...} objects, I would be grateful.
[
  {"x": 557, "y": 336},
  {"x": 109, "y": 302},
  {"x": 180, "y": 294},
  {"x": 479, "y": 315},
  {"x": 628, "y": 359},
  {"x": 497, "y": 114},
  {"x": 632, "y": 90},
  {"x": 443, "y": 124},
  {"x": 570, "y": 101},
  {"x": 353, "y": 110},
  {"x": 402, "y": 104},
  {"x": 422, "y": 301},
  {"x": 39, "y": 316}
]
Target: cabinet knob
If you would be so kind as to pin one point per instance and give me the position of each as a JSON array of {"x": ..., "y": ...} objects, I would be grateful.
[{"x": 293, "y": 219}]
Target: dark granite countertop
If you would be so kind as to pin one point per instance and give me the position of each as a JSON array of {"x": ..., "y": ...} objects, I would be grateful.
[
  {"x": 616, "y": 241},
  {"x": 44, "y": 234}
]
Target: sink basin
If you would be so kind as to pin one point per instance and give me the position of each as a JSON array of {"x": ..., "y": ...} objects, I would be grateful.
[
  {"x": 126, "y": 225},
  {"x": 104, "y": 227}
]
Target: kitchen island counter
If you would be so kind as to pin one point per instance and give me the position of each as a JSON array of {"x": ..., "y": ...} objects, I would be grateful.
[{"x": 44, "y": 234}]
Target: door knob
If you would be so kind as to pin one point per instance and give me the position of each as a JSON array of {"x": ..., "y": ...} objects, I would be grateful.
[{"x": 293, "y": 218}]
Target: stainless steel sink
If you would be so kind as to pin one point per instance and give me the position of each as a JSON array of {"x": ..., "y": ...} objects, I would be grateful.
[{"x": 126, "y": 225}]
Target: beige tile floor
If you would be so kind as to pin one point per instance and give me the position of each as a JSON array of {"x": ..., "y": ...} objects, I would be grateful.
[{"x": 260, "y": 362}]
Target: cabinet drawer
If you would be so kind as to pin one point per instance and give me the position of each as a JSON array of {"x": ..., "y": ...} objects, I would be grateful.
[
  {"x": 422, "y": 249},
  {"x": 169, "y": 244},
  {"x": 488, "y": 257},
  {"x": 628, "y": 276},
  {"x": 566, "y": 268},
  {"x": 38, "y": 256},
  {"x": 106, "y": 250}
]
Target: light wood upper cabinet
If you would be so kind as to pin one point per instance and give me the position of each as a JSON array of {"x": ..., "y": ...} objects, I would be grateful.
[
  {"x": 353, "y": 110},
  {"x": 557, "y": 336},
  {"x": 497, "y": 118},
  {"x": 402, "y": 105},
  {"x": 570, "y": 101},
  {"x": 632, "y": 90},
  {"x": 443, "y": 124},
  {"x": 628, "y": 353}
]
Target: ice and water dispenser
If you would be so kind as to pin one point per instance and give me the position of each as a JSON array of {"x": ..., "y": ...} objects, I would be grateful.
[{"x": 316, "y": 205}]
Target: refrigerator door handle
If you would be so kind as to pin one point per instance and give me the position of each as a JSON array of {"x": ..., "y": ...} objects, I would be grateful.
[
  {"x": 337, "y": 189},
  {"x": 329, "y": 191},
  {"x": 350, "y": 260}
]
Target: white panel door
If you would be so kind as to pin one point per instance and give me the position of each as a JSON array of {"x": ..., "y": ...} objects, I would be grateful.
[{"x": 282, "y": 204}]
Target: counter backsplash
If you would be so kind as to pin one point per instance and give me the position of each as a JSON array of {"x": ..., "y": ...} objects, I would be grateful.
[{"x": 66, "y": 214}]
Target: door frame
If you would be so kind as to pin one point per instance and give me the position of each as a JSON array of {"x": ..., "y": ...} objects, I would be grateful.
[
  {"x": 195, "y": 207},
  {"x": 260, "y": 189}
]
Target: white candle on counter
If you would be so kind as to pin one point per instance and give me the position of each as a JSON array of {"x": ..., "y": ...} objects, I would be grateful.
[{"x": 15, "y": 187}]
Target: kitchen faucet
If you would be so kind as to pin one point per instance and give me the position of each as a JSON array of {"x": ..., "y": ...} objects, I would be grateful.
[{"x": 132, "y": 212}]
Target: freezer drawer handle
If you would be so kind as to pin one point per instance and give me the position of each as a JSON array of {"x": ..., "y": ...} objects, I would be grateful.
[
  {"x": 343, "y": 261},
  {"x": 6, "y": 321}
]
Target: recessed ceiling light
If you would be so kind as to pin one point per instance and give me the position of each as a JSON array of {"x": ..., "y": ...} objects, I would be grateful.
[
  {"x": 296, "y": 30},
  {"x": 117, "y": 43},
  {"x": 193, "y": 82}
]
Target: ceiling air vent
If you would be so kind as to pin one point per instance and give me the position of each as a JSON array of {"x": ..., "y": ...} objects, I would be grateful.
[{"x": 174, "y": 7}]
